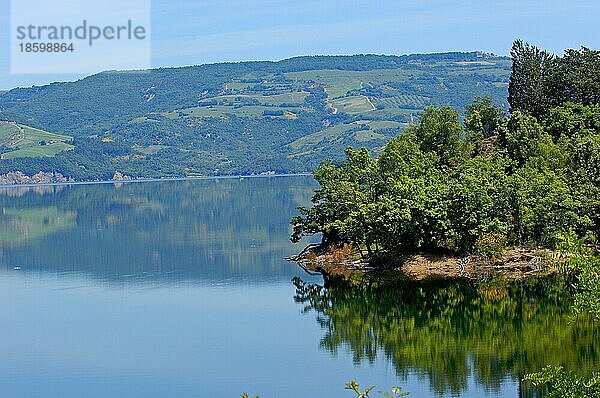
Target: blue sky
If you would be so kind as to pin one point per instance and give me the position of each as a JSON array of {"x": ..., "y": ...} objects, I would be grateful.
[{"x": 195, "y": 32}]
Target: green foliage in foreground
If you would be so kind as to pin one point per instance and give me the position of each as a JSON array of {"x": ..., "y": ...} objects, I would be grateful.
[
  {"x": 353, "y": 386},
  {"x": 556, "y": 382}
]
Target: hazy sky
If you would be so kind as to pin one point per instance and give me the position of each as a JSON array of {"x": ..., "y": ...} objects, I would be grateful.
[{"x": 195, "y": 32}]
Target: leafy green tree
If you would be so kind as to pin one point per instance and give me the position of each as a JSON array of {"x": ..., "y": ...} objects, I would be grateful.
[
  {"x": 523, "y": 138},
  {"x": 440, "y": 132},
  {"x": 478, "y": 201},
  {"x": 408, "y": 205},
  {"x": 574, "y": 78},
  {"x": 571, "y": 119},
  {"x": 585, "y": 176},
  {"x": 330, "y": 204},
  {"x": 544, "y": 205},
  {"x": 585, "y": 158},
  {"x": 540, "y": 81},
  {"x": 481, "y": 121},
  {"x": 345, "y": 204}
]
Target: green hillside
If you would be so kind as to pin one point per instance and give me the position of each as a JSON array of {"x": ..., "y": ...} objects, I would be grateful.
[
  {"x": 236, "y": 118},
  {"x": 21, "y": 141},
  {"x": 334, "y": 139}
]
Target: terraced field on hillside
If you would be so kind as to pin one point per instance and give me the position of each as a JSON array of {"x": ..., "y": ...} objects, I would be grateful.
[
  {"x": 373, "y": 133},
  {"x": 17, "y": 140}
]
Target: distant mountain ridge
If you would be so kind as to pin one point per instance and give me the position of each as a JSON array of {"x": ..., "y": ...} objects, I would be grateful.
[{"x": 244, "y": 117}]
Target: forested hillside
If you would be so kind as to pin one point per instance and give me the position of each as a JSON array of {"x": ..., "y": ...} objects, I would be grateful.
[{"x": 239, "y": 118}]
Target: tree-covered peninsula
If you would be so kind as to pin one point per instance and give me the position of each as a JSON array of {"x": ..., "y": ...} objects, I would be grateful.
[{"x": 480, "y": 184}]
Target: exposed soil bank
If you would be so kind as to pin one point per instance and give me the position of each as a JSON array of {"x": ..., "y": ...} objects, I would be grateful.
[{"x": 515, "y": 263}]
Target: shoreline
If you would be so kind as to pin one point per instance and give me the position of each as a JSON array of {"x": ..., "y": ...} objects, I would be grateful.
[
  {"x": 141, "y": 180},
  {"x": 515, "y": 263}
]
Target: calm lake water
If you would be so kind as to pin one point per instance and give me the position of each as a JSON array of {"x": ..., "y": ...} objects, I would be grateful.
[{"x": 179, "y": 289}]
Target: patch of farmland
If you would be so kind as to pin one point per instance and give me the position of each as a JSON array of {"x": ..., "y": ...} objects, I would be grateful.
[
  {"x": 406, "y": 101},
  {"x": 361, "y": 131},
  {"x": 27, "y": 141},
  {"x": 352, "y": 105},
  {"x": 223, "y": 111},
  {"x": 292, "y": 98}
]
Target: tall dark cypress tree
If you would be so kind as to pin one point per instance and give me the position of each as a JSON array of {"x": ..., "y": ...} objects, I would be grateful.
[{"x": 530, "y": 68}]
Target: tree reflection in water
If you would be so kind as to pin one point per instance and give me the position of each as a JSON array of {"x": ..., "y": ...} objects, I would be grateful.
[{"x": 450, "y": 330}]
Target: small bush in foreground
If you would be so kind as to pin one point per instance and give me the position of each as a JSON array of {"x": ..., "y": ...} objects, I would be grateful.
[
  {"x": 491, "y": 244},
  {"x": 352, "y": 385},
  {"x": 558, "y": 383}
]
